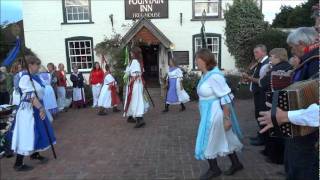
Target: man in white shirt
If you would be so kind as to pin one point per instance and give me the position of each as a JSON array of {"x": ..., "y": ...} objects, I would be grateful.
[{"x": 301, "y": 117}]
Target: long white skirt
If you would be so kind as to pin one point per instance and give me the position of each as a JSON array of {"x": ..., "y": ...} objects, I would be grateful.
[
  {"x": 138, "y": 105},
  {"x": 220, "y": 142},
  {"x": 49, "y": 99},
  {"x": 95, "y": 93},
  {"x": 105, "y": 98}
]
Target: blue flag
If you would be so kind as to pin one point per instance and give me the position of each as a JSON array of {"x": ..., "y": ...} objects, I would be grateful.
[{"x": 12, "y": 54}]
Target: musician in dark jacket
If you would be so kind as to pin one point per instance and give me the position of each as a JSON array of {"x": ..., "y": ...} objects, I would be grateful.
[
  {"x": 78, "y": 96},
  {"x": 274, "y": 148},
  {"x": 301, "y": 153},
  {"x": 260, "y": 54}
]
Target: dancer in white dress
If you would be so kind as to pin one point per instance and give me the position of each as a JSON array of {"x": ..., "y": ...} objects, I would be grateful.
[
  {"x": 135, "y": 103},
  {"x": 108, "y": 96},
  {"x": 219, "y": 132},
  {"x": 32, "y": 129},
  {"x": 175, "y": 92},
  {"x": 49, "y": 100}
]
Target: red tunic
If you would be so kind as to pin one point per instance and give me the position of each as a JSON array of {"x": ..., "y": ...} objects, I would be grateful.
[
  {"x": 96, "y": 77},
  {"x": 62, "y": 81}
]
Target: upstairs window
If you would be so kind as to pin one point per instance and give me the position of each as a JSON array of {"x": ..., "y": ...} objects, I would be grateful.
[
  {"x": 212, "y": 8},
  {"x": 77, "y": 11}
]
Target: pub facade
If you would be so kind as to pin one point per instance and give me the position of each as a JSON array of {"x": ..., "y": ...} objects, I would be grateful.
[{"x": 66, "y": 31}]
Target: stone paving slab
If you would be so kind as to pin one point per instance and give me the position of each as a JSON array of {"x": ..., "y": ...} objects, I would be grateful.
[{"x": 106, "y": 147}]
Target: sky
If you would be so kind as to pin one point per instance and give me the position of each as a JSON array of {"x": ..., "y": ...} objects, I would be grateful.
[{"x": 11, "y": 9}]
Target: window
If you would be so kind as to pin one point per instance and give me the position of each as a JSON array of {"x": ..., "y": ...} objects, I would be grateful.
[
  {"x": 213, "y": 43},
  {"x": 77, "y": 11},
  {"x": 79, "y": 53},
  {"x": 212, "y": 8}
]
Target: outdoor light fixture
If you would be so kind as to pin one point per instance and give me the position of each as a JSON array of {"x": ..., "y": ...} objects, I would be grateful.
[
  {"x": 172, "y": 46},
  {"x": 111, "y": 19},
  {"x": 203, "y": 19},
  {"x": 181, "y": 19}
]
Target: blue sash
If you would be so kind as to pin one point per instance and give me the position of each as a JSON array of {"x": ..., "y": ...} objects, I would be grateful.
[{"x": 206, "y": 123}]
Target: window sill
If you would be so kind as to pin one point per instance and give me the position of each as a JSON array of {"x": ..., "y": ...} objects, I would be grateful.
[
  {"x": 66, "y": 23},
  {"x": 208, "y": 19}
]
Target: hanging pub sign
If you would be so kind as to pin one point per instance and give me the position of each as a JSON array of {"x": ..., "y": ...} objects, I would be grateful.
[{"x": 152, "y": 9}]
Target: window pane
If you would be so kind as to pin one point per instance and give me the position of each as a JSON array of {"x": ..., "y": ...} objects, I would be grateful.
[
  {"x": 77, "y": 2},
  {"x": 83, "y": 51},
  {"x": 89, "y": 65},
  {"x": 88, "y": 44},
  {"x": 210, "y": 6},
  {"x": 76, "y": 44},
  {"x": 86, "y": 16},
  {"x": 212, "y": 9},
  {"x": 82, "y": 44},
  {"x": 88, "y": 51},
  {"x": 209, "y": 40},
  {"x": 215, "y": 48}
]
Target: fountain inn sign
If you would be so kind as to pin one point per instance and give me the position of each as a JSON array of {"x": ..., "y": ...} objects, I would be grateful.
[{"x": 152, "y": 9}]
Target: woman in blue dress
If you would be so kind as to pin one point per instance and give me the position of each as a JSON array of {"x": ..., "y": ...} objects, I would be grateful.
[
  {"x": 29, "y": 133},
  {"x": 175, "y": 92},
  {"x": 219, "y": 132}
]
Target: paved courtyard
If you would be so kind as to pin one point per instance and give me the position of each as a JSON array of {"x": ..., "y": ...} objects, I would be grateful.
[{"x": 106, "y": 147}]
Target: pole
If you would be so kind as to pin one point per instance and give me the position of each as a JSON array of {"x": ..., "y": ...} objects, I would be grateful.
[{"x": 36, "y": 94}]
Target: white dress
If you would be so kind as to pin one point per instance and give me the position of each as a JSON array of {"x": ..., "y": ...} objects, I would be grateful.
[
  {"x": 177, "y": 76},
  {"x": 138, "y": 104},
  {"x": 29, "y": 133},
  {"x": 49, "y": 99},
  {"x": 105, "y": 98},
  {"x": 219, "y": 142}
]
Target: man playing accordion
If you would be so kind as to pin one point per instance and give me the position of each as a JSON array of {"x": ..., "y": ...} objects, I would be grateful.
[{"x": 301, "y": 152}]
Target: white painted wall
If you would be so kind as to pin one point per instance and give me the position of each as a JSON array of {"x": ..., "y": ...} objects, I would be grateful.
[{"x": 45, "y": 35}]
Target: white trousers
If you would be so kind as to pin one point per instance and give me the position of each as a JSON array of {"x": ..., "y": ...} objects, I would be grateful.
[
  {"x": 95, "y": 93},
  {"x": 61, "y": 94}
]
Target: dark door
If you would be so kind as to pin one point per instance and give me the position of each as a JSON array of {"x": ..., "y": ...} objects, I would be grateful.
[{"x": 151, "y": 65}]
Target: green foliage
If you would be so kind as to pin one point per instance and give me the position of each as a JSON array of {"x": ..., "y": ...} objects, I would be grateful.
[
  {"x": 299, "y": 16},
  {"x": 272, "y": 38},
  {"x": 244, "y": 21},
  {"x": 190, "y": 82},
  {"x": 241, "y": 91}
]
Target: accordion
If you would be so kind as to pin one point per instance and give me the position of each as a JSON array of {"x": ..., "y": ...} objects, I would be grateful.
[
  {"x": 296, "y": 96},
  {"x": 280, "y": 79}
]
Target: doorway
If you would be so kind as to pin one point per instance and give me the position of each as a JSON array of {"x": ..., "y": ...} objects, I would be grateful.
[{"x": 151, "y": 64}]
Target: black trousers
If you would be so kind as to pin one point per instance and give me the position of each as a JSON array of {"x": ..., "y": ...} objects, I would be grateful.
[
  {"x": 302, "y": 158},
  {"x": 259, "y": 105},
  {"x": 4, "y": 98}
]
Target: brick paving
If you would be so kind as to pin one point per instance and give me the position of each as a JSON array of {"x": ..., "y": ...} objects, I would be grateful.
[{"x": 95, "y": 147}]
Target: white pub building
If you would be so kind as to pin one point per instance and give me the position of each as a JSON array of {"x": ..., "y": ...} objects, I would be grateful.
[{"x": 66, "y": 31}]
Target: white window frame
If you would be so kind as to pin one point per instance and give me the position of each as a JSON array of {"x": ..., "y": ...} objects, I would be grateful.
[
  {"x": 72, "y": 54},
  {"x": 208, "y": 14},
  {"x": 75, "y": 12},
  {"x": 215, "y": 42}
]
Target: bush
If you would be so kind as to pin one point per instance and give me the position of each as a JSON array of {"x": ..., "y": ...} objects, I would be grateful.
[
  {"x": 244, "y": 21},
  {"x": 272, "y": 38},
  {"x": 190, "y": 82}
]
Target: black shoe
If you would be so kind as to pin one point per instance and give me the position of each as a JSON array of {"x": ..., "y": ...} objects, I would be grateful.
[
  {"x": 210, "y": 174},
  {"x": 102, "y": 113},
  {"x": 166, "y": 109},
  {"x": 254, "y": 138},
  {"x": 257, "y": 142},
  {"x": 36, "y": 156},
  {"x": 22, "y": 168},
  {"x": 233, "y": 169},
  {"x": 131, "y": 120},
  {"x": 183, "y": 108},
  {"x": 140, "y": 123},
  {"x": 236, "y": 165},
  {"x": 115, "y": 110}
]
